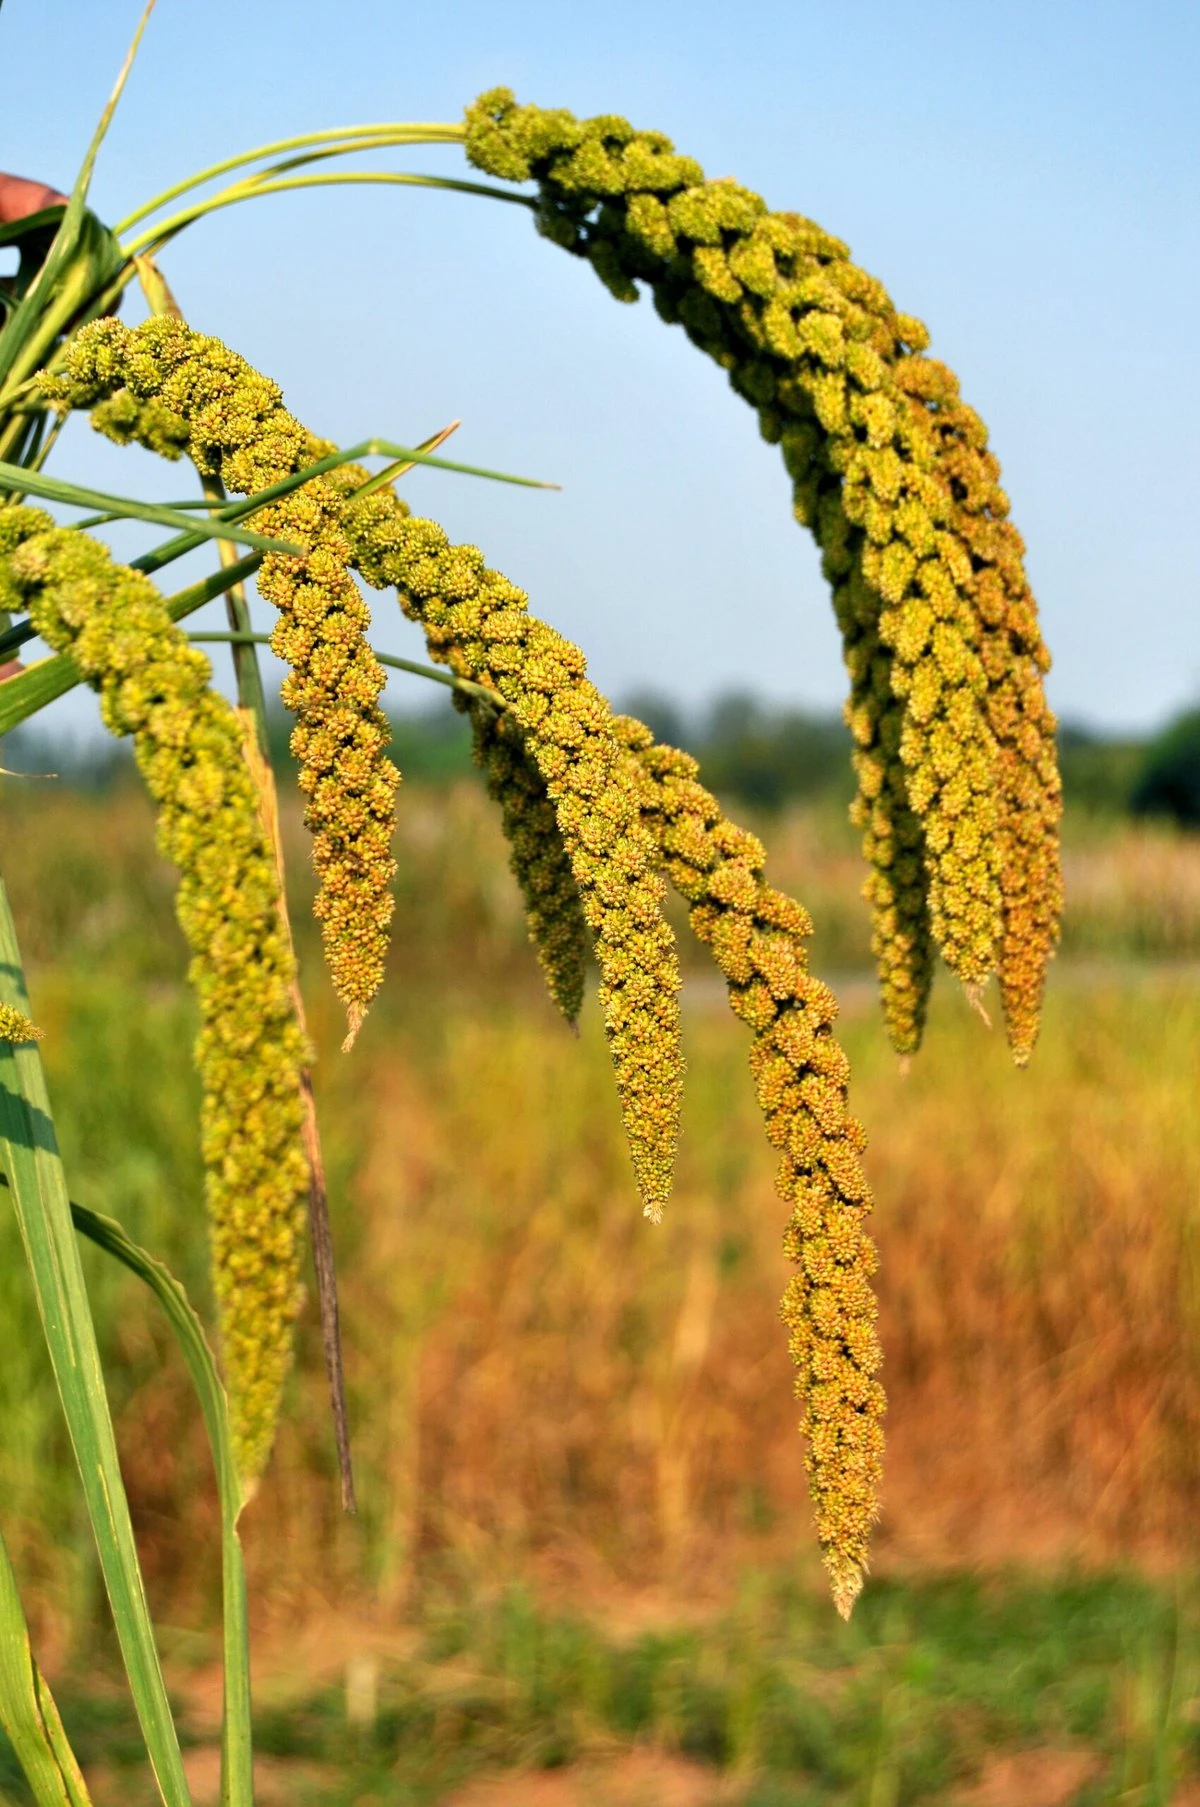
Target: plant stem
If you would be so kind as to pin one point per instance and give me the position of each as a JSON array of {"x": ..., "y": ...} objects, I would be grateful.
[
  {"x": 479, "y": 692},
  {"x": 381, "y": 135},
  {"x": 158, "y": 236}
]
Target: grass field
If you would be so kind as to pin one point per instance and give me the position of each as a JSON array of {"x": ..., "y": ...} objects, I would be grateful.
[{"x": 583, "y": 1562}]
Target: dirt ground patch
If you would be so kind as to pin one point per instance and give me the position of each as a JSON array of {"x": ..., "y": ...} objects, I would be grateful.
[
  {"x": 632, "y": 1779},
  {"x": 1032, "y": 1778}
]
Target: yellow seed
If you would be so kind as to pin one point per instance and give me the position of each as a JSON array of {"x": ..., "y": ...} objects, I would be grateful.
[{"x": 553, "y": 909}]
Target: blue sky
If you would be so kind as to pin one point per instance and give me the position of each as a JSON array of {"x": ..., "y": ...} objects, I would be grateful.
[{"x": 1022, "y": 176}]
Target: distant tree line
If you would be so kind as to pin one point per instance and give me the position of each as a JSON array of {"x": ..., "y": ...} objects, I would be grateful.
[{"x": 758, "y": 753}]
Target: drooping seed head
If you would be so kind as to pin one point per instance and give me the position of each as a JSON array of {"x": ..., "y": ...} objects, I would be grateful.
[
  {"x": 958, "y": 798},
  {"x": 553, "y": 908},
  {"x": 175, "y": 391},
  {"x": 250, "y": 1050},
  {"x": 479, "y": 624},
  {"x": 757, "y": 935}
]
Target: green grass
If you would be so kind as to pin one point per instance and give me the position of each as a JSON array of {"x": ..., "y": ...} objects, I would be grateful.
[{"x": 906, "y": 1704}]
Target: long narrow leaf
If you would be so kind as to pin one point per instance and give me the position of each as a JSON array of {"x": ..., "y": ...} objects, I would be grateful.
[
  {"x": 53, "y": 489},
  {"x": 404, "y": 460},
  {"x": 27, "y": 1710},
  {"x": 29, "y": 1155},
  {"x": 83, "y": 180},
  {"x": 237, "y": 1777},
  {"x": 404, "y": 457}
]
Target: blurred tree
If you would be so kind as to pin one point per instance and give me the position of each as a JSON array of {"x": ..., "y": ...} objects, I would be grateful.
[
  {"x": 1168, "y": 783},
  {"x": 1099, "y": 773}
]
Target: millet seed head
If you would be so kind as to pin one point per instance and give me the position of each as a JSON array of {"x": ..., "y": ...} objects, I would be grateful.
[
  {"x": 250, "y": 1050},
  {"x": 479, "y": 624},
  {"x": 15, "y": 1026},
  {"x": 956, "y": 765},
  {"x": 178, "y": 391},
  {"x": 756, "y": 935}
]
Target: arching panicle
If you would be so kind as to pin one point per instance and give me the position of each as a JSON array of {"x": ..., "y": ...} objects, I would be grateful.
[
  {"x": 250, "y": 1051},
  {"x": 756, "y": 935},
  {"x": 553, "y": 907},
  {"x": 175, "y": 390},
  {"x": 479, "y": 624},
  {"x": 958, "y": 796}
]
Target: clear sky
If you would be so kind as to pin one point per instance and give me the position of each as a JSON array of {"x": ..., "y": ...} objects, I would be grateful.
[{"x": 1024, "y": 175}]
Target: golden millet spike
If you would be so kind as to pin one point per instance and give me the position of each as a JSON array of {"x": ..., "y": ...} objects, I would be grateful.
[
  {"x": 816, "y": 346},
  {"x": 1015, "y": 661},
  {"x": 757, "y": 935},
  {"x": 250, "y": 1051},
  {"x": 175, "y": 391},
  {"x": 553, "y": 908},
  {"x": 16, "y": 1027},
  {"x": 539, "y": 862},
  {"x": 479, "y": 624}
]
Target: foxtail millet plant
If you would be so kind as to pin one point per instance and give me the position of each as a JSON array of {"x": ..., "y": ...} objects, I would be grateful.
[
  {"x": 958, "y": 795},
  {"x": 188, "y": 744},
  {"x": 174, "y": 391},
  {"x": 915, "y": 553},
  {"x": 479, "y": 624},
  {"x": 756, "y": 935}
]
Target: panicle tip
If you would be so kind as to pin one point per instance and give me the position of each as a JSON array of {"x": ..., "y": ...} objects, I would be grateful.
[
  {"x": 846, "y": 1585},
  {"x": 355, "y": 1017},
  {"x": 15, "y": 1026}
]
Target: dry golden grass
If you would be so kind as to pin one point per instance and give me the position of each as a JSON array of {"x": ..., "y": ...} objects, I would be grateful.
[{"x": 541, "y": 1383}]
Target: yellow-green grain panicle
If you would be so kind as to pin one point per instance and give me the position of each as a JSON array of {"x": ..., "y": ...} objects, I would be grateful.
[
  {"x": 540, "y": 864},
  {"x": 16, "y": 1027},
  {"x": 176, "y": 390},
  {"x": 1015, "y": 662},
  {"x": 250, "y": 1051},
  {"x": 757, "y": 935},
  {"x": 815, "y": 345},
  {"x": 479, "y": 624}
]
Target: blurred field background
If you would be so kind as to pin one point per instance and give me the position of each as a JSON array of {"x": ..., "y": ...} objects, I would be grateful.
[{"x": 583, "y": 1567}]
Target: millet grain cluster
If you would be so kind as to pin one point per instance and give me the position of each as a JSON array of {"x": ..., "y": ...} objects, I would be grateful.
[
  {"x": 958, "y": 792},
  {"x": 188, "y": 743},
  {"x": 174, "y": 391}
]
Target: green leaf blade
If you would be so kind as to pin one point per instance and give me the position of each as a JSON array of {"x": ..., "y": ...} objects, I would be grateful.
[
  {"x": 27, "y": 1710},
  {"x": 18, "y": 479},
  {"x": 29, "y": 1155},
  {"x": 236, "y": 1748}
]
